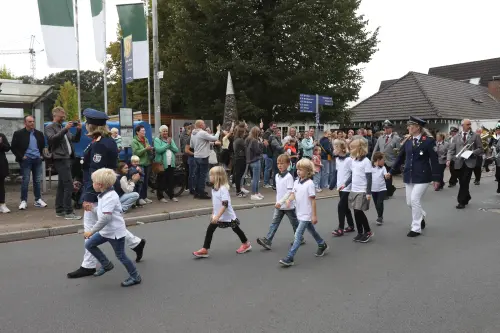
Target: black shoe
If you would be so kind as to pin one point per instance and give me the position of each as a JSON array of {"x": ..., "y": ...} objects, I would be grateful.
[
  {"x": 357, "y": 238},
  {"x": 81, "y": 272},
  {"x": 413, "y": 234},
  {"x": 321, "y": 250},
  {"x": 498, "y": 190},
  {"x": 264, "y": 242},
  {"x": 460, "y": 206},
  {"x": 422, "y": 225},
  {"x": 366, "y": 237},
  {"x": 139, "y": 250},
  {"x": 451, "y": 185},
  {"x": 380, "y": 220},
  {"x": 203, "y": 196},
  {"x": 477, "y": 183}
]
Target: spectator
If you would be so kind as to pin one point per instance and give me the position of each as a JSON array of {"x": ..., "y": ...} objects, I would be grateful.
[
  {"x": 4, "y": 171},
  {"x": 117, "y": 138},
  {"x": 307, "y": 144},
  {"x": 239, "y": 160},
  {"x": 133, "y": 169},
  {"x": 60, "y": 144},
  {"x": 276, "y": 147},
  {"x": 326, "y": 156},
  {"x": 268, "y": 156},
  {"x": 165, "y": 149},
  {"x": 190, "y": 153},
  {"x": 200, "y": 142},
  {"x": 27, "y": 146},
  {"x": 125, "y": 186},
  {"x": 371, "y": 142},
  {"x": 253, "y": 152},
  {"x": 184, "y": 140},
  {"x": 225, "y": 151},
  {"x": 142, "y": 149}
]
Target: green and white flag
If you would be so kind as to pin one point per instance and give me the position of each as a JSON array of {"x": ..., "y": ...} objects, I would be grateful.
[
  {"x": 98, "y": 22},
  {"x": 133, "y": 22},
  {"x": 58, "y": 29}
]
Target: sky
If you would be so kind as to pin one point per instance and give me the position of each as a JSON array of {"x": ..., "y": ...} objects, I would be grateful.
[{"x": 414, "y": 35}]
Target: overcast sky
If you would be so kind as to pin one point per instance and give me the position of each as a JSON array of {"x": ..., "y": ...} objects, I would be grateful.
[{"x": 414, "y": 35}]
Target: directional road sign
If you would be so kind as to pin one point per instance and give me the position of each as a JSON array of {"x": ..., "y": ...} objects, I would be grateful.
[
  {"x": 325, "y": 100},
  {"x": 307, "y": 103}
]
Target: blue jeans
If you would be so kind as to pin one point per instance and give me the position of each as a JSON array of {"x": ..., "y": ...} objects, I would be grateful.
[
  {"x": 317, "y": 179},
  {"x": 277, "y": 217},
  {"x": 255, "y": 176},
  {"x": 118, "y": 246},
  {"x": 143, "y": 194},
  {"x": 128, "y": 199},
  {"x": 332, "y": 170},
  {"x": 191, "y": 180},
  {"x": 200, "y": 174},
  {"x": 31, "y": 166},
  {"x": 299, "y": 235},
  {"x": 268, "y": 166},
  {"x": 325, "y": 174}
]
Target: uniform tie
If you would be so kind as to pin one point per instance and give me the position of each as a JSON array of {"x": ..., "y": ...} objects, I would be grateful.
[
  {"x": 386, "y": 139},
  {"x": 415, "y": 141},
  {"x": 465, "y": 137}
]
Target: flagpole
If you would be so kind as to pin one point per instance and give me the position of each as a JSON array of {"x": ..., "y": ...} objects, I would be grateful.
[
  {"x": 78, "y": 62},
  {"x": 156, "y": 67},
  {"x": 105, "y": 58},
  {"x": 149, "y": 72}
]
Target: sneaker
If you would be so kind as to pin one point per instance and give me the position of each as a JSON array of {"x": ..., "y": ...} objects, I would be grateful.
[
  {"x": 260, "y": 195},
  {"x": 139, "y": 250},
  {"x": 201, "y": 253},
  {"x": 40, "y": 203},
  {"x": 287, "y": 262},
  {"x": 130, "y": 281},
  {"x": 241, "y": 195},
  {"x": 264, "y": 242},
  {"x": 245, "y": 247},
  {"x": 142, "y": 202},
  {"x": 175, "y": 200},
  {"x": 255, "y": 197},
  {"x": 23, "y": 205},
  {"x": 267, "y": 186},
  {"x": 358, "y": 238},
  {"x": 244, "y": 190},
  {"x": 4, "y": 209},
  {"x": 321, "y": 250},
  {"x": 366, "y": 237},
  {"x": 380, "y": 221},
  {"x": 60, "y": 214},
  {"x": 319, "y": 190},
  {"x": 81, "y": 272},
  {"x": 148, "y": 201},
  {"x": 72, "y": 216},
  {"x": 163, "y": 200},
  {"x": 102, "y": 270}
]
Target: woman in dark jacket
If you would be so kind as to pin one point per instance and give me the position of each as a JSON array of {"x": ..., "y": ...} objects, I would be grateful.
[
  {"x": 239, "y": 159},
  {"x": 4, "y": 171}
]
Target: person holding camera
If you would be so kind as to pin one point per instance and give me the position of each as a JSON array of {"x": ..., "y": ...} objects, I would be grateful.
[{"x": 60, "y": 145}]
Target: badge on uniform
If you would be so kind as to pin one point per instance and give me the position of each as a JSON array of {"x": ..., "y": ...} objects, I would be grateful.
[
  {"x": 97, "y": 158},
  {"x": 421, "y": 152},
  {"x": 435, "y": 149}
]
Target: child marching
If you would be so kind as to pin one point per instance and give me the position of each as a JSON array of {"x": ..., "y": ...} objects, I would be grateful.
[
  {"x": 304, "y": 196},
  {"x": 223, "y": 215},
  {"x": 379, "y": 188},
  {"x": 360, "y": 196},
  {"x": 284, "y": 186}
]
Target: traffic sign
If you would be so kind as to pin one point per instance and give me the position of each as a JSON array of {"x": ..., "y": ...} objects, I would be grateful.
[
  {"x": 307, "y": 103},
  {"x": 325, "y": 100}
]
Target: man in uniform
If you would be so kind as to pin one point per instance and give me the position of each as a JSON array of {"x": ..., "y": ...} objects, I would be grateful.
[
  {"x": 465, "y": 165},
  {"x": 102, "y": 152},
  {"x": 453, "y": 173},
  {"x": 388, "y": 144}
]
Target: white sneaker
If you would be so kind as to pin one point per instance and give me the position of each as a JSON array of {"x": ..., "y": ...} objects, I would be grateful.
[
  {"x": 141, "y": 202},
  {"x": 260, "y": 195},
  {"x": 268, "y": 186},
  {"x": 148, "y": 200},
  {"x": 319, "y": 190},
  {"x": 23, "y": 205},
  {"x": 175, "y": 200},
  {"x": 40, "y": 203},
  {"x": 244, "y": 190},
  {"x": 4, "y": 209},
  {"x": 164, "y": 200},
  {"x": 255, "y": 197}
]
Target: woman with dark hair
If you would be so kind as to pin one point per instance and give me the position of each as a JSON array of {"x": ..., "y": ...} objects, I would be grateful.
[
  {"x": 4, "y": 171},
  {"x": 239, "y": 159},
  {"x": 142, "y": 149},
  {"x": 253, "y": 152}
]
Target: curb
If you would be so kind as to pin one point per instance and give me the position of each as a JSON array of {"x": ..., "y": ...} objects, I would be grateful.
[{"x": 16, "y": 236}]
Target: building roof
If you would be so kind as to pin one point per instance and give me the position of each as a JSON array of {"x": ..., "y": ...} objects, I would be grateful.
[
  {"x": 384, "y": 84},
  {"x": 483, "y": 69},
  {"x": 427, "y": 97}
]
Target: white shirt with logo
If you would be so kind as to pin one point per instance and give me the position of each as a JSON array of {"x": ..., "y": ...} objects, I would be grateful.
[
  {"x": 378, "y": 179},
  {"x": 284, "y": 185},
  {"x": 303, "y": 191},
  {"x": 109, "y": 202},
  {"x": 219, "y": 196},
  {"x": 359, "y": 171}
]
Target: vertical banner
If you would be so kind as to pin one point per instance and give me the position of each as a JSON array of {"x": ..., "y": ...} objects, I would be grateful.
[{"x": 129, "y": 59}]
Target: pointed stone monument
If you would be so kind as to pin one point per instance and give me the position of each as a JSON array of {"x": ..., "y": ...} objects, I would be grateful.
[{"x": 230, "y": 112}]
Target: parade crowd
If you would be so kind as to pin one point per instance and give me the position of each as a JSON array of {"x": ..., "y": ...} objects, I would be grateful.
[{"x": 360, "y": 166}]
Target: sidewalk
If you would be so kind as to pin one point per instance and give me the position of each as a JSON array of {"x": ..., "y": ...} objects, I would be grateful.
[{"x": 42, "y": 222}]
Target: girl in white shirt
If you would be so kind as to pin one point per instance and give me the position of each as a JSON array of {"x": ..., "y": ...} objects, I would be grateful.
[
  {"x": 223, "y": 215},
  {"x": 361, "y": 180},
  {"x": 379, "y": 188}
]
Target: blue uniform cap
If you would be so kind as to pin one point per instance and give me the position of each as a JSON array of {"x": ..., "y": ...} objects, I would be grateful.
[
  {"x": 95, "y": 117},
  {"x": 416, "y": 121}
]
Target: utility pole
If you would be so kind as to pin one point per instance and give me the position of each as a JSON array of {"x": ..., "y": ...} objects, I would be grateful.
[
  {"x": 105, "y": 77},
  {"x": 156, "y": 67},
  {"x": 78, "y": 62}
]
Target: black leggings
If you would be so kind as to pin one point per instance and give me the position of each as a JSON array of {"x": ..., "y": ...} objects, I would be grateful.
[
  {"x": 210, "y": 233},
  {"x": 361, "y": 221},
  {"x": 378, "y": 200},
  {"x": 2, "y": 189},
  {"x": 344, "y": 210},
  {"x": 239, "y": 170}
]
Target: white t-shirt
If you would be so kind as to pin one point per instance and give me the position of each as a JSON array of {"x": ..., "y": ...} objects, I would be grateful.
[
  {"x": 109, "y": 202},
  {"x": 343, "y": 167},
  {"x": 378, "y": 179},
  {"x": 218, "y": 196},
  {"x": 284, "y": 185},
  {"x": 304, "y": 191},
  {"x": 359, "y": 171}
]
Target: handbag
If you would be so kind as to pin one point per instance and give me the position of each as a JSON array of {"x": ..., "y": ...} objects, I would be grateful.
[
  {"x": 157, "y": 167},
  {"x": 212, "y": 158},
  {"x": 329, "y": 157}
]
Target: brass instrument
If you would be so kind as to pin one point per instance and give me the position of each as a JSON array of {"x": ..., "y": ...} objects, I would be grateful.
[
  {"x": 465, "y": 148},
  {"x": 486, "y": 136}
]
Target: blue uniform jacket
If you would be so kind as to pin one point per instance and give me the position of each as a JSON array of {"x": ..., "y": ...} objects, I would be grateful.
[
  {"x": 103, "y": 153},
  {"x": 421, "y": 161}
]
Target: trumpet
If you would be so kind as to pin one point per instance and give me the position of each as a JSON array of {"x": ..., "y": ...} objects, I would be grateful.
[{"x": 465, "y": 148}]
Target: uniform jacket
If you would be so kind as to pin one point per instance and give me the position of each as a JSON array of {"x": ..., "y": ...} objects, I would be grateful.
[
  {"x": 456, "y": 145},
  {"x": 388, "y": 149},
  {"x": 4, "y": 164},
  {"x": 55, "y": 133},
  {"x": 442, "y": 151},
  {"x": 21, "y": 141},
  {"x": 421, "y": 161},
  {"x": 496, "y": 152}
]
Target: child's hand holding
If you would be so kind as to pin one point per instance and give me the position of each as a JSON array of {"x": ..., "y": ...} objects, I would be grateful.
[
  {"x": 278, "y": 205},
  {"x": 87, "y": 234},
  {"x": 368, "y": 197},
  {"x": 215, "y": 219},
  {"x": 314, "y": 219},
  {"x": 341, "y": 187}
]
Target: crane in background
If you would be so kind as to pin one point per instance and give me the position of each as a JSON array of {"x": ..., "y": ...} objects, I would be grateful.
[{"x": 31, "y": 51}]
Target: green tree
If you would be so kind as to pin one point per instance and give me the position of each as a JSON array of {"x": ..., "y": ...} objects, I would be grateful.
[
  {"x": 6, "y": 73},
  {"x": 68, "y": 99}
]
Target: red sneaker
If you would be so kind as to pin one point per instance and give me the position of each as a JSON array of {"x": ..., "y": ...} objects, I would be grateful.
[
  {"x": 244, "y": 248},
  {"x": 201, "y": 253}
]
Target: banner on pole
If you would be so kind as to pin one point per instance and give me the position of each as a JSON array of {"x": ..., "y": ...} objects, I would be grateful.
[{"x": 128, "y": 54}]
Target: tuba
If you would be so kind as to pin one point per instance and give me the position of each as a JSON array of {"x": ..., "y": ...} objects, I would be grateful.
[{"x": 486, "y": 136}]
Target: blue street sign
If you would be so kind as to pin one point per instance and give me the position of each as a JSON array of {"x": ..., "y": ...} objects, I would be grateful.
[
  {"x": 325, "y": 100},
  {"x": 307, "y": 103}
]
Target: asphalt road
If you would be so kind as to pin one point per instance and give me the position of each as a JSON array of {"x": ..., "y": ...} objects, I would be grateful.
[{"x": 445, "y": 281}]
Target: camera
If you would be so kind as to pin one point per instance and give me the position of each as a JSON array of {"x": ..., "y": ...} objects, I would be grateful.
[{"x": 75, "y": 123}]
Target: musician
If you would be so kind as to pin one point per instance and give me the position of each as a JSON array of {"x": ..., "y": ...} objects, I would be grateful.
[
  {"x": 462, "y": 142},
  {"x": 453, "y": 173},
  {"x": 388, "y": 144},
  {"x": 421, "y": 167},
  {"x": 494, "y": 145},
  {"x": 441, "y": 149}
]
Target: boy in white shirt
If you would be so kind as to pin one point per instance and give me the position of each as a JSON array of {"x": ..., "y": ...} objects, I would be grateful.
[
  {"x": 284, "y": 186},
  {"x": 110, "y": 227},
  {"x": 379, "y": 188},
  {"x": 304, "y": 195}
]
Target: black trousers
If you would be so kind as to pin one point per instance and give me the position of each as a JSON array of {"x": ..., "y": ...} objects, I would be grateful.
[
  {"x": 478, "y": 169},
  {"x": 442, "y": 167},
  {"x": 464, "y": 176},
  {"x": 210, "y": 233},
  {"x": 64, "y": 186},
  {"x": 497, "y": 177},
  {"x": 2, "y": 189},
  {"x": 240, "y": 165},
  {"x": 344, "y": 211},
  {"x": 378, "y": 200},
  {"x": 388, "y": 183},
  {"x": 165, "y": 181},
  {"x": 453, "y": 174},
  {"x": 185, "y": 164},
  {"x": 361, "y": 221}
]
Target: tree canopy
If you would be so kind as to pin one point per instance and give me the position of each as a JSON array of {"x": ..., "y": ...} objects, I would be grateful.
[{"x": 68, "y": 99}]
